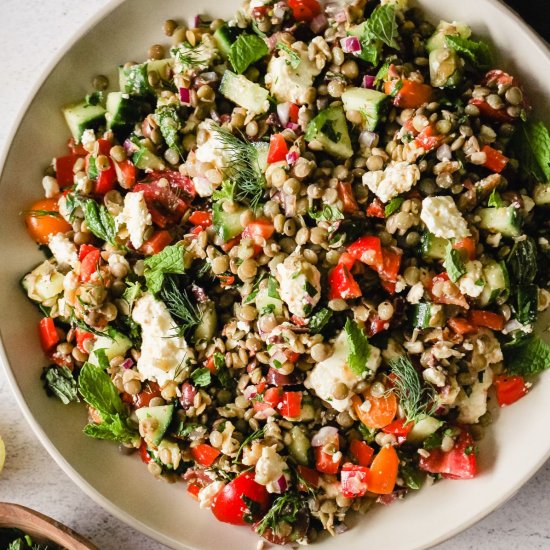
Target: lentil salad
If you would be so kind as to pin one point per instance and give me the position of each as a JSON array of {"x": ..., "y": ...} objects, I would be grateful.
[{"x": 304, "y": 298}]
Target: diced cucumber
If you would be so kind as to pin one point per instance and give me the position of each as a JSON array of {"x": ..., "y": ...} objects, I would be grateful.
[
  {"x": 330, "y": 129},
  {"x": 541, "y": 194},
  {"x": 437, "y": 40},
  {"x": 307, "y": 412},
  {"x": 432, "y": 247},
  {"x": 299, "y": 447},
  {"x": 245, "y": 93},
  {"x": 426, "y": 315},
  {"x": 154, "y": 421},
  {"x": 497, "y": 283},
  {"x": 505, "y": 220},
  {"x": 114, "y": 345},
  {"x": 124, "y": 110},
  {"x": 370, "y": 103},
  {"x": 268, "y": 297},
  {"x": 209, "y": 321},
  {"x": 135, "y": 79},
  {"x": 83, "y": 116},
  {"x": 224, "y": 37},
  {"x": 227, "y": 224},
  {"x": 144, "y": 159},
  {"x": 263, "y": 149},
  {"x": 445, "y": 68},
  {"x": 423, "y": 428}
]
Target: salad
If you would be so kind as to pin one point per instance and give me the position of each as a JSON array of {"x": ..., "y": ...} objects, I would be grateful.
[{"x": 294, "y": 257}]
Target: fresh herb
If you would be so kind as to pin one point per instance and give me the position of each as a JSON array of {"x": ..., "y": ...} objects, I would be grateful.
[
  {"x": 225, "y": 192},
  {"x": 358, "y": 348},
  {"x": 222, "y": 372},
  {"x": 495, "y": 199},
  {"x": 98, "y": 390},
  {"x": 284, "y": 509},
  {"x": 415, "y": 398},
  {"x": 273, "y": 288},
  {"x": 102, "y": 359},
  {"x": 252, "y": 511},
  {"x": 189, "y": 57},
  {"x": 76, "y": 322},
  {"x": 393, "y": 206},
  {"x": 522, "y": 261},
  {"x": 311, "y": 291},
  {"x": 382, "y": 25},
  {"x": 368, "y": 434},
  {"x": 412, "y": 477},
  {"x": 470, "y": 449},
  {"x": 525, "y": 299},
  {"x": 40, "y": 213},
  {"x": 530, "y": 145},
  {"x": 168, "y": 120},
  {"x": 243, "y": 168},
  {"x": 329, "y": 213},
  {"x": 99, "y": 221},
  {"x": 319, "y": 320},
  {"x": 131, "y": 294},
  {"x": 257, "y": 434},
  {"x": 528, "y": 359},
  {"x": 433, "y": 441},
  {"x": 292, "y": 57},
  {"x": 201, "y": 377},
  {"x": 247, "y": 49},
  {"x": 184, "y": 429},
  {"x": 477, "y": 52},
  {"x": 255, "y": 288},
  {"x": 382, "y": 73},
  {"x": 453, "y": 263},
  {"x": 59, "y": 381},
  {"x": 180, "y": 306},
  {"x": 168, "y": 261}
]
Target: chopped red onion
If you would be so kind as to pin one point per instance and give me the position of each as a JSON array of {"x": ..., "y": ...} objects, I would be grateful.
[
  {"x": 292, "y": 157},
  {"x": 250, "y": 391},
  {"x": 194, "y": 22},
  {"x": 130, "y": 147},
  {"x": 325, "y": 435},
  {"x": 367, "y": 139},
  {"x": 279, "y": 355},
  {"x": 282, "y": 484},
  {"x": 272, "y": 41},
  {"x": 319, "y": 23},
  {"x": 341, "y": 16},
  {"x": 283, "y": 112},
  {"x": 368, "y": 81},
  {"x": 292, "y": 126},
  {"x": 266, "y": 413},
  {"x": 127, "y": 364},
  {"x": 185, "y": 95},
  {"x": 350, "y": 44}
]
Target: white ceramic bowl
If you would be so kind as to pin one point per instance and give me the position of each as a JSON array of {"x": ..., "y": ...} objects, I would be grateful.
[{"x": 510, "y": 454}]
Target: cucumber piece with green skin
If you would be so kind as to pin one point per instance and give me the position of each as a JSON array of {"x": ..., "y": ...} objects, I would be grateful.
[
  {"x": 307, "y": 412},
  {"x": 135, "y": 79},
  {"x": 426, "y": 315},
  {"x": 299, "y": 447},
  {"x": 155, "y": 421},
  {"x": 432, "y": 247},
  {"x": 423, "y": 428},
  {"x": 83, "y": 116},
  {"x": 209, "y": 321},
  {"x": 225, "y": 36},
  {"x": 437, "y": 40},
  {"x": 370, "y": 103},
  {"x": 227, "y": 224},
  {"x": 268, "y": 298},
  {"x": 330, "y": 129},
  {"x": 144, "y": 159},
  {"x": 497, "y": 284},
  {"x": 245, "y": 93},
  {"x": 114, "y": 345},
  {"x": 505, "y": 220},
  {"x": 541, "y": 194},
  {"x": 124, "y": 110}
]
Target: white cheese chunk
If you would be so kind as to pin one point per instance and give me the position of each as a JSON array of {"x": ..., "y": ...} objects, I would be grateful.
[
  {"x": 472, "y": 283},
  {"x": 164, "y": 356},
  {"x": 269, "y": 469},
  {"x": 63, "y": 250},
  {"x": 209, "y": 493},
  {"x": 442, "y": 218},
  {"x": 473, "y": 406},
  {"x": 212, "y": 149},
  {"x": 396, "y": 179},
  {"x": 135, "y": 216}
]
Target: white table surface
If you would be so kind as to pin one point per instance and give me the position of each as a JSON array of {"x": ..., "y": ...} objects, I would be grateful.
[{"x": 31, "y": 31}]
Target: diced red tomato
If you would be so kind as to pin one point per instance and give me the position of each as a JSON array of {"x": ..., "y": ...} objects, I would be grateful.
[
  {"x": 89, "y": 265},
  {"x": 106, "y": 180},
  {"x": 354, "y": 480},
  {"x": 40, "y": 227},
  {"x": 458, "y": 463},
  {"x": 428, "y": 139},
  {"x": 159, "y": 241},
  {"x": 509, "y": 389},
  {"x": 400, "y": 428},
  {"x": 64, "y": 170},
  {"x": 103, "y": 147},
  {"x": 304, "y": 10},
  {"x": 269, "y": 400},
  {"x": 144, "y": 397},
  {"x": 202, "y": 218},
  {"x": 226, "y": 280},
  {"x": 342, "y": 285},
  {"x": 309, "y": 475},
  {"x": 193, "y": 489},
  {"x": 488, "y": 319},
  {"x": 76, "y": 148},
  {"x": 489, "y": 113},
  {"x": 204, "y": 454},
  {"x": 126, "y": 173},
  {"x": 361, "y": 452},
  {"x": 367, "y": 250},
  {"x": 278, "y": 149},
  {"x": 84, "y": 250},
  {"x": 210, "y": 365},
  {"x": 411, "y": 95},
  {"x": 144, "y": 453},
  {"x": 226, "y": 247},
  {"x": 229, "y": 506},
  {"x": 260, "y": 387},
  {"x": 383, "y": 471},
  {"x": 347, "y": 260},
  {"x": 293, "y": 112},
  {"x": 468, "y": 246},
  {"x": 291, "y": 404},
  {"x": 461, "y": 326},
  {"x": 494, "y": 160},
  {"x": 81, "y": 337},
  {"x": 345, "y": 194},
  {"x": 48, "y": 334},
  {"x": 325, "y": 463},
  {"x": 258, "y": 231},
  {"x": 390, "y": 265},
  {"x": 374, "y": 324},
  {"x": 376, "y": 209},
  {"x": 499, "y": 77}
]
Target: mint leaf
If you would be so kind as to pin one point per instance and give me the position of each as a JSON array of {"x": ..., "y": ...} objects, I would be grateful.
[
  {"x": 201, "y": 377},
  {"x": 59, "y": 381},
  {"x": 495, "y": 199},
  {"x": 329, "y": 213},
  {"x": 98, "y": 390},
  {"x": 382, "y": 25},
  {"x": 292, "y": 58},
  {"x": 529, "y": 359},
  {"x": 99, "y": 221},
  {"x": 167, "y": 118},
  {"x": 225, "y": 192},
  {"x": 358, "y": 348},
  {"x": 319, "y": 320},
  {"x": 522, "y": 261},
  {"x": 131, "y": 294},
  {"x": 525, "y": 300},
  {"x": 476, "y": 52},
  {"x": 102, "y": 359},
  {"x": 393, "y": 206},
  {"x": 114, "y": 428},
  {"x": 453, "y": 263},
  {"x": 273, "y": 288},
  {"x": 168, "y": 261},
  {"x": 247, "y": 49},
  {"x": 530, "y": 145}
]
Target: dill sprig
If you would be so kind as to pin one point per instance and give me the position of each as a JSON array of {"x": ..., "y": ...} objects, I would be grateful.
[
  {"x": 177, "y": 300},
  {"x": 243, "y": 168},
  {"x": 285, "y": 508},
  {"x": 190, "y": 56},
  {"x": 254, "y": 435},
  {"x": 417, "y": 399},
  {"x": 40, "y": 213}
]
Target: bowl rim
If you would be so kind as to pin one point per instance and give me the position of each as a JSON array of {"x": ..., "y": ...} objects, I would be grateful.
[{"x": 536, "y": 41}]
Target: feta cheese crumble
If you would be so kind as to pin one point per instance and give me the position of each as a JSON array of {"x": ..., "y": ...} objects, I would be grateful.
[
  {"x": 212, "y": 149},
  {"x": 209, "y": 493},
  {"x": 135, "y": 216},
  {"x": 269, "y": 469},
  {"x": 396, "y": 179},
  {"x": 63, "y": 250},
  {"x": 472, "y": 282},
  {"x": 442, "y": 218}
]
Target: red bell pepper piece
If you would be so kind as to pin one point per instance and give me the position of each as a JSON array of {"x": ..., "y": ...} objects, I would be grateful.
[
  {"x": 461, "y": 326},
  {"x": 411, "y": 95},
  {"x": 76, "y": 148},
  {"x": 291, "y": 404},
  {"x": 89, "y": 265},
  {"x": 204, "y": 454},
  {"x": 354, "y": 480},
  {"x": 361, "y": 452},
  {"x": 468, "y": 245},
  {"x": 278, "y": 149},
  {"x": 269, "y": 400},
  {"x": 400, "y": 428},
  {"x": 159, "y": 241},
  {"x": 376, "y": 209},
  {"x": 304, "y": 10},
  {"x": 193, "y": 489},
  {"x": 310, "y": 476},
  {"x": 390, "y": 265},
  {"x": 342, "y": 285},
  {"x": 374, "y": 324},
  {"x": 345, "y": 194},
  {"x": 126, "y": 173},
  {"x": 64, "y": 170},
  {"x": 325, "y": 463},
  {"x": 367, "y": 250},
  {"x": 428, "y": 139},
  {"x": 509, "y": 389},
  {"x": 293, "y": 112},
  {"x": 495, "y": 160},
  {"x": 103, "y": 147},
  {"x": 490, "y": 113},
  {"x": 258, "y": 231},
  {"x": 488, "y": 319},
  {"x": 84, "y": 250},
  {"x": 81, "y": 337},
  {"x": 144, "y": 452},
  {"x": 48, "y": 334},
  {"x": 106, "y": 180},
  {"x": 347, "y": 259},
  {"x": 458, "y": 463},
  {"x": 201, "y": 218}
]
